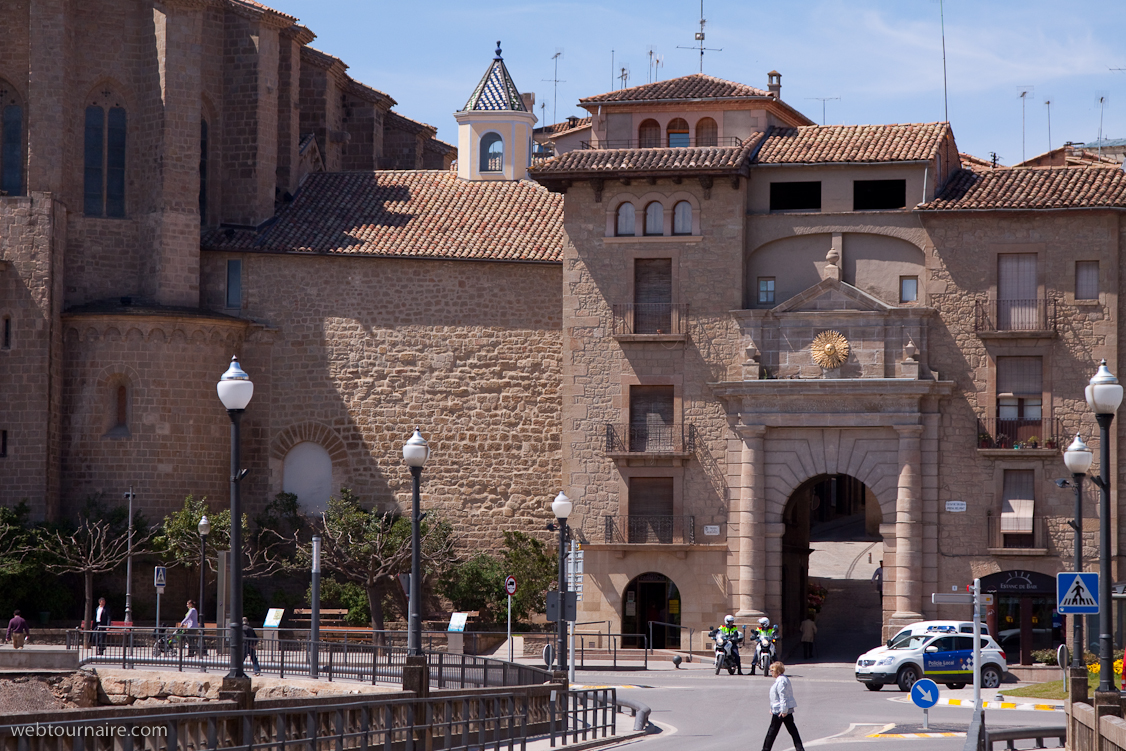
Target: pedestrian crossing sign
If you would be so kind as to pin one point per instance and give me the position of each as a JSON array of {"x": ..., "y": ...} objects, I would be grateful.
[{"x": 1077, "y": 593}]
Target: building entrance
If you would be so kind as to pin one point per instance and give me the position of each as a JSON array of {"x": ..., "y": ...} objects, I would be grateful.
[
  {"x": 651, "y": 598},
  {"x": 1023, "y": 616}
]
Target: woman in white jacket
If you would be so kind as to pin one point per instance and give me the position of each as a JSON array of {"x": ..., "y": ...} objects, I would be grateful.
[{"x": 782, "y": 706}]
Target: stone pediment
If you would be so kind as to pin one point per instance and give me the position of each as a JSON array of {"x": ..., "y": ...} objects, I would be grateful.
[{"x": 832, "y": 295}]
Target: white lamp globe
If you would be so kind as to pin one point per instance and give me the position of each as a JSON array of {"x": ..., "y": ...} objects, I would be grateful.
[
  {"x": 1078, "y": 457},
  {"x": 561, "y": 506},
  {"x": 235, "y": 387},
  {"x": 1104, "y": 393},
  {"x": 416, "y": 451},
  {"x": 204, "y": 526}
]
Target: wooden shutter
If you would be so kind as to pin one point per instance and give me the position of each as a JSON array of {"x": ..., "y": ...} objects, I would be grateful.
[
  {"x": 1019, "y": 501},
  {"x": 1020, "y": 376},
  {"x": 1016, "y": 292},
  {"x": 652, "y": 295},
  {"x": 650, "y": 496},
  {"x": 651, "y": 418}
]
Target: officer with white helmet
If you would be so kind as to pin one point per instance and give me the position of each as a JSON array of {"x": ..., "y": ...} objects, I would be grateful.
[{"x": 733, "y": 634}]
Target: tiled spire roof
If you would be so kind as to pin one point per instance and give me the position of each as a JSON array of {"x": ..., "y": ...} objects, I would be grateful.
[{"x": 496, "y": 91}]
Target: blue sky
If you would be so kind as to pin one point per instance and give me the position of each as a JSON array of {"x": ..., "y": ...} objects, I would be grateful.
[{"x": 883, "y": 58}]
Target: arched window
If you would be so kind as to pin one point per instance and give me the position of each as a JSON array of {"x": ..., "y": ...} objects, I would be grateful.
[
  {"x": 682, "y": 218},
  {"x": 678, "y": 133},
  {"x": 649, "y": 134},
  {"x": 11, "y": 142},
  {"x": 121, "y": 419},
  {"x": 6, "y": 332},
  {"x": 707, "y": 132},
  {"x": 307, "y": 473},
  {"x": 655, "y": 219},
  {"x": 203, "y": 172},
  {"x": 626, "y": 220},
  {"x": 104, "y": 157},
  {"x": 118, "y": 408},
  {"x": 492, "y": 153}
]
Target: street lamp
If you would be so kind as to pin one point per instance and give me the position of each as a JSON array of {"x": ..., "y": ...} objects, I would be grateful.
[
  {"x": 204, "y": 528},
  {"x": 562, "y": 507},
  {"x": 415, "y": 453},
  {"x": 1077, "y": 458},
  {"x": 235, "y": 389},
  {"x": 1104, "y": 395}
]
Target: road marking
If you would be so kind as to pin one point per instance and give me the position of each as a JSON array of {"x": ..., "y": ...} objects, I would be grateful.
[
  {"x": 627, "y": 685},
  {"x": 969, "y": 704},
  {"x": 855, "y": 734},
  {"x": 917, "y": 735}
]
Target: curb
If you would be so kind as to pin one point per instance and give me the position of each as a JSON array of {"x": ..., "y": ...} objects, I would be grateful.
[
  {"x": 608, "y": 741},
  {"x": 1002, "y": 705}
]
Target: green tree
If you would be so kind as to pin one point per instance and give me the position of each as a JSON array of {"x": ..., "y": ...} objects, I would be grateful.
[
  {"x": 478, "y": 583},
  {"x": 336, "y": 594},
  {"x": 265, "y": 551},
  {"x": 536, "y": 568}
]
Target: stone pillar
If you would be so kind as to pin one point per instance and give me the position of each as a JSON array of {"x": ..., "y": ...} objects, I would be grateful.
[
  {"x": 751, "y": 517},
  {"x": 908, "y": 528}
]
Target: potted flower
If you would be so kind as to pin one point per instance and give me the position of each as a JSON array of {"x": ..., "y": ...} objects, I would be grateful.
[
  {"x": 1049, "y": 444},
  {"x": 984, "y": 441},
  {"x": 1033, "y": 442},
  {"x": 1002, "y": 440}
]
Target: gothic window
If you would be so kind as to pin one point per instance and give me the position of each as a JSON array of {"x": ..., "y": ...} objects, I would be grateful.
[
  {"x": 6, "y": 332},
  {"x": 492, "y": 153},
  {"x": 626, "y": 220},
  {"x": 119, "y": 408},
  {"x": 655, "y": 219},
  {"x": 678, "y": 133},
  {"x": 11, "y": 142},
  {"x": 3, "y": 443},
  {"x": 707, "y": 132},
  {"x": 682, "y": 218},
  {"x": 234, "y": 283},
  {"x": 203, "y": 172},
  {"x": 649, "y": 134},
  {"x": 104, "y": 158}
]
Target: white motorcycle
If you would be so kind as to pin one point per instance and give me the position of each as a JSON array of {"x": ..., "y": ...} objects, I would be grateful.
[
  {"x": 725, "y": 650},
  {"x": 765, "y": 650}
]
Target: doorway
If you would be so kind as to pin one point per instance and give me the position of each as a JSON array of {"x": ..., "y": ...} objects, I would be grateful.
[
  {"x": 651, "y": 598},
  {"x": 1023, "y": 617}
]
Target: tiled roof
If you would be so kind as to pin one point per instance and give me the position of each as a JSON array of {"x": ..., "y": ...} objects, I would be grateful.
[
  {"x": 259, "y": 6},
  {"x": 975, "y": 163},
  {"x": 700, "y": 160},
  {"x": 566, "y": 126},
  {"x": 822, "y": 144},
  {"x": 695, "y": 86},
  {"x": 404, "y": 123},
  {"x": 1033, "y": 188},
  {"x": 496, "y": 91},
  {"x": 410, "y": 214}
]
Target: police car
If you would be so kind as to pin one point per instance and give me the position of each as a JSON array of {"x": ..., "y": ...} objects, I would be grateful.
[{"x": 941, "y": 652}]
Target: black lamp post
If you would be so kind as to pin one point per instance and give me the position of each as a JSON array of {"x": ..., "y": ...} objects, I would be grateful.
[
  {"x": 204, "y": 527},
  {"x": 1104, "y": 395},
  {"x": 1078, "y": 460},
  {"x": 562, "y": 507},
  {"x": 235, "y": 389},
  {"x": 415, "y": 453}
]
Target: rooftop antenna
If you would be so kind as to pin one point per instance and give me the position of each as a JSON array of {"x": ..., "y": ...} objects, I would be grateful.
[
  {"x": 624, "y": 75},
  {"x": 1024, "y": 92},
  {"x": 649, "y": 68},
  {"x": 824, "y": 99},
  {"x": 612, "y": 70},
  {"x": 555, "y": 83},
  {"x": 700, "y": 39},
  {"x": 993, "y": 159},
  {"x": 658, "y": 63},
  {"x": 945, "y": 99},
  {"x": 1101, "y": 101},
  {"x": 1048, "y": 104}
]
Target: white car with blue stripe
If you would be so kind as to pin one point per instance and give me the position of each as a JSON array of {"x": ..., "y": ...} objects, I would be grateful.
[{"x": 941, "y": 652}]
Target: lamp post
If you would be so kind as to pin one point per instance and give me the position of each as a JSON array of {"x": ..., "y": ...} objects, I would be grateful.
[
  {"x": 129, "y": 496},
  {"x": 235, "y": 389},
  {"x": 1104, "y": 395},
  {"x": 204, "y": 528},
  {"x": 561, "y": 507},
  {"x": 415, "y": 453},
  {"x": 1077, "y": 458}
]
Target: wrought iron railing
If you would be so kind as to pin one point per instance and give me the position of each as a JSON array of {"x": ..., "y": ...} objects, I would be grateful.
[
  {"x": 650, "y": 439},
  {"x": 1017, "y": 534},
  {"x": 663, "y": 142},
  {"x": 642, "y": 530},
  {"x": 1015, "y": 315},
  {"x": 1018, "y": 433},
  {"x": 650, "y": 318}
]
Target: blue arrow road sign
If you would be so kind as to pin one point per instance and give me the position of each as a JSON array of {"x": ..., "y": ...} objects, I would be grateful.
[
  {"x": 1077, "y": 593},
  {"x": 924, "y": 693}
]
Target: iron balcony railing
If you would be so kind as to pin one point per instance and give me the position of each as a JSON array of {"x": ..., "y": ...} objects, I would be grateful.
[
  {"x": 642, "y": 530},
  {"x": 663, "y": 142},
  {"x": 650, "y": 439},
  {"x": 1018, "y": 433},
  {"x": 650, "y": 318},
  {"x": 1017, "y": 534},
  {"x": 1015, "y": 315}
]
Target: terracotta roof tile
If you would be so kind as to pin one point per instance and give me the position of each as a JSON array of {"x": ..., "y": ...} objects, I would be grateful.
[
  {"x": 820, "y": 144},
  {"x": 699, "y": 159},
  {"x": 410, "y": 213},
  {"x": 975, "y": 163},
  {"x": 557, "y": 129},
  {"x": 260, "y": 6},
  {"x": 695, "y": 86},
  {"x": 1033, "y": 188}
]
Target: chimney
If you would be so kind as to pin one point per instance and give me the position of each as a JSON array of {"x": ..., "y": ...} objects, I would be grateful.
[
  {"x": 774, "y": 85},
  {"x": 529, "y": 100}
]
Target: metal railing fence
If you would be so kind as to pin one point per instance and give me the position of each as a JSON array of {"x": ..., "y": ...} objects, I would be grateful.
[
  {"x": 1019, "y": 433},
  {"x": 1015, "y": 315},
  {"x": 650, "y": 318},
  {"x": 662, "y": 141},
  {"x": 641, "y": 438},
  {"x": 641, "y": 530}
]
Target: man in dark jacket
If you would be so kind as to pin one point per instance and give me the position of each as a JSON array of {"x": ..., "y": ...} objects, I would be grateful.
[
  {"x": 102, "y": 622},
  {"x": 250, "y": 642},
  {"x": 17, "y": 630}
]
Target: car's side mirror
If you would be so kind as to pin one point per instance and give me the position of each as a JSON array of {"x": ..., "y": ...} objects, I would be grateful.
[
  {"x": 931, "y": 649},
  {"x": 889, "y": 643}
]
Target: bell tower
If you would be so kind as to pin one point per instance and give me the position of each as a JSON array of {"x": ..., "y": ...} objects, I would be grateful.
[{"x": 494, "y": 129}]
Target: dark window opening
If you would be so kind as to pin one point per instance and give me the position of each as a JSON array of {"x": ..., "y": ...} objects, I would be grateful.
[
  {"x": 3, "y": 443},
  {"x": 11, "y": 151},
  {"x": 492, "y": 153},
  {"x": 651, "y": 419},
  {"x": 104, "y": 162},
  {"x": 872, "y": 195},
  {"x": 678, "y": 134},
  {"x": 115, "y": 163},
  {"x": 122, "y": 399},
  {"x": 234, "y": 284},
  {"x": 651, "y": 505},
  {"x": 203, "y": 172},
  {"x": 801, "y": 196},
  {"x": 92, "y": 157},
  {"x": 6, "y": 340},
  {"x": 652, "y": 295}
]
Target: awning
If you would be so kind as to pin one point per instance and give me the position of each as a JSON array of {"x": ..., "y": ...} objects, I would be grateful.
[{"x": 1016, "y": 516}]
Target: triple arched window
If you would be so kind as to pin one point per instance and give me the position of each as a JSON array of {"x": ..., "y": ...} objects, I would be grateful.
[
  {"x": 678, "y": 133},
  {"x": 104, "y": 157},
  {"x": 653, "y": 219},
  {"x": 492, "y": 153},
  {"x": 11, "y": 141}
]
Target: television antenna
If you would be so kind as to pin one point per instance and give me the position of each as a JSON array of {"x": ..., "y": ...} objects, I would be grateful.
[
  {"x": 1025, "y": 92},
  {"x": 1102, "y": 102},
  {"x": 623, "y": 76},
  {"x": 554, "y": 80},
  {"x": 1048, "y": 104},
  {"x": 824, "y": 99},
  {"x": 700, "y": 39}
]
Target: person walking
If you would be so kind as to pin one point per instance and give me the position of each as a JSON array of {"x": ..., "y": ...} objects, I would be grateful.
[
  {"x": 808, "y": 633},
  {"x": 17, "y": 630},
  {"x": 190, "y": 621},
  {"x": 250, "y": 642},
  {"x": 102, "y": 621},
  {"x": 782, "y": 706},
  {"x": 878, "y": 581}
]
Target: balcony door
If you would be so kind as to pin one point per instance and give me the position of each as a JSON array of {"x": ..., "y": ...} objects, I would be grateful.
[
  {"x": 1020, "y": 400},
  {"x": 1017, "y": 288},
  {"x": 652, "y": 295},
  {"x": 651, "y": 517},
  {"x": 651, "y": 421}
]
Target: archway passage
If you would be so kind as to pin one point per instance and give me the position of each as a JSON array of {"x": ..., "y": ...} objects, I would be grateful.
[
  {"x": 830, "y": 549},
  {"x": 651, "y": 598}
]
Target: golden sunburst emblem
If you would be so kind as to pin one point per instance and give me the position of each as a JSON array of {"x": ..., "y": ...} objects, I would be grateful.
[{"x": 829, "y": 349}]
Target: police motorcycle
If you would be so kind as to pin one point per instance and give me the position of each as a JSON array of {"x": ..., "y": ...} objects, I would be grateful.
[
  {"x": 725, "y": 645},
  {"x": 766, "y": 651}
]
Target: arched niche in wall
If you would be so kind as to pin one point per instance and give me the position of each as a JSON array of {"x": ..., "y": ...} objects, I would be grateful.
[
  {"x": 793, "y": 263},
  {"x": 307, "y": 473},
  {"x": 876, "y": 264}
]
